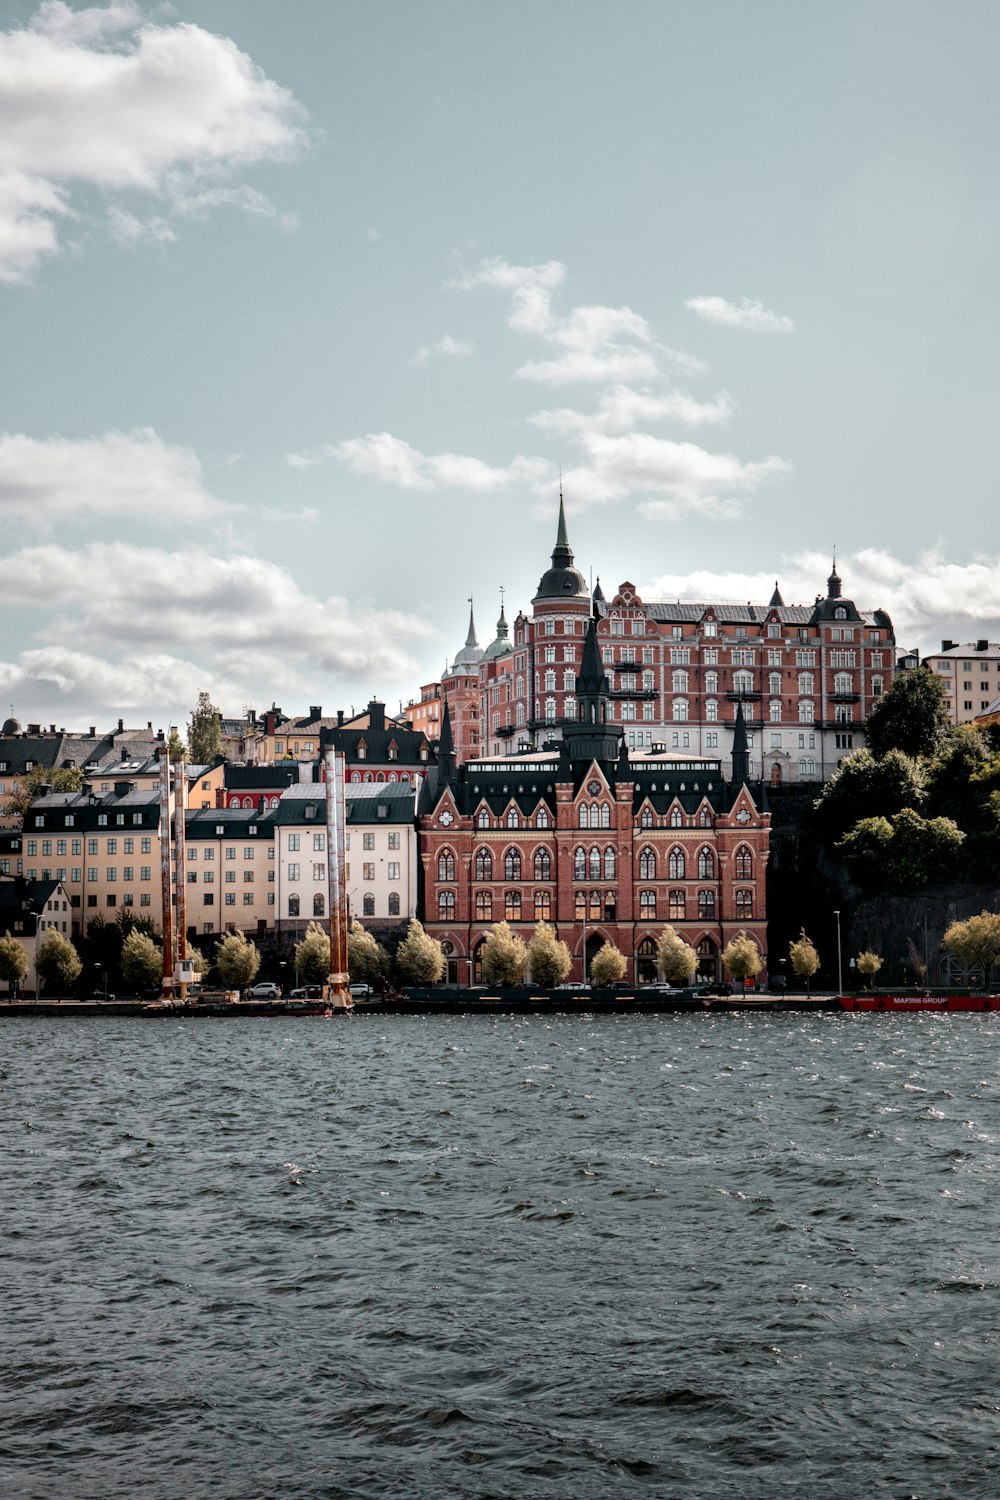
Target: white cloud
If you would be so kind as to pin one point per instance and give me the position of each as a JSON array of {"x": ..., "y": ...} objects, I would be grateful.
[
  {"x": 928, "y": 599},
  {"x": 451, "y": 347},
  {"x": 531, "y": 289},
  {"x": 690, "y": 477},
  {"x": 124, "y": 475},
  {"x": 621, "y": 408},
  {"x": 752, "y": 316},
  {"x": 241, "y": 622},
  {"x": 389, "y": 459},
  {"x": 107, "y": 99}
]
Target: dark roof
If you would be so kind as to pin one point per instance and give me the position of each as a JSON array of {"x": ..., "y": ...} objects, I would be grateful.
[
  {"x": 248, "y": 778},
  {"x": 237, "y": 823}
]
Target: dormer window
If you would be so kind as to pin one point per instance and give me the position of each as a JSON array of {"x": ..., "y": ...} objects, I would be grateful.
[
  {"x": 362, "y": 750},
  {"x": 840, "y": 613},
  {"x": 393, "y": 750}
]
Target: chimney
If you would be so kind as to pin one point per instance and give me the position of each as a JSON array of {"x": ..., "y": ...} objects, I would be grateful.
[
  {"x": 947, "y": 645},
  {"x": 34, "y": 728},
  {"x": 52, "y": 729},
  {"x": 376, "y": 714},
  {"x": 982, "y": 645},
  {"x": 315, "y": 712},
  {"x": 340, "y": 718},
  {"x": 149, "y": 724},
  {"x": 121, "y": 726},
  {"x": 124, "y": 753},
  {"x": 93, "y": 731}
]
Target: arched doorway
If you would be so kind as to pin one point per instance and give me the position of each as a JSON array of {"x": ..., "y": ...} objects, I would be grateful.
[
  {"x": 646, "y": 964},
  {"x": 708, "y": 963},
  {"x": 477, "y": 961},
  {"x": 451, "y": 963},
  {"x": 595, "y": 942}
]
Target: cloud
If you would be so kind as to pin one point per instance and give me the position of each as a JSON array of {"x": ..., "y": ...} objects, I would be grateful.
[
  {"x": 531, "y": 289},
  {"x": 927, "y": 599},
  {"x": 688, "y": 476},
  {"x": 387, "y": 458},
  {"x": 134, "y": 476},
  {"x": 451, "y": 347},
  {"x": 242, "y": 622},
  {"x": 621, "y": 408},
  {"x": 105, "y": 98},
  {"x": 752, "y": 316}
]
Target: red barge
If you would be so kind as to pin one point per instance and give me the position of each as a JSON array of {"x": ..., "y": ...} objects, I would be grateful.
[{"x": 917, "y": 1003}]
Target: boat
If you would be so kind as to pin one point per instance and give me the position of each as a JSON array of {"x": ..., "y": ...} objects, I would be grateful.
[{"x": 915, "y": 1004}]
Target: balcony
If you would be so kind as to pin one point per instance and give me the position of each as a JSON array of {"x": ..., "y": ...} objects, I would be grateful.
[
  {"x": 635, "y": 692},
  {"x": 753, "y": 697},
  {"x": 505, "y": 731},
  {"x": 845, "y": 698}
]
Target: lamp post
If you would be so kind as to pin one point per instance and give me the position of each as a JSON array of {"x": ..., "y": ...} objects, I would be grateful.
[{"x": 840, "y": 972}]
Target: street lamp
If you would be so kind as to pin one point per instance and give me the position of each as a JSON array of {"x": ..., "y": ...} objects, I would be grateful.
[{"x": 840, "y": 972}]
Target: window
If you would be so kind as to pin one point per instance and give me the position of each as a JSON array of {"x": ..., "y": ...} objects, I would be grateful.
[
  {"x": 513, "y": 818},
  {"x": 706, "y": 864},
  {"x": 446, "y": 865},
  {"x": 647, "y": 864},
  {"x": 367, "y": 841},
  {"x": 446, "y": 906},
  {"x": 542, "y": 818},
  {"x": 647, "y": 906},
  {"x": 677, "y": 907},
  {"x": 230, "y": 898},
  {"x": 543, "y": 865},
  {"x": 319, "y": 903},
  {"x": 512, "y": 865},
  {"x": 394, "y": 903},
  {"x": 806, "y": 713},
  {"x": 293, "y": 843},
  {"x": 482, "y": 818},
  {"x": 594, "y": 864},
  {"x": 319, "y": 844},
  {"x": 367, "y": 870},
  {"x": 744, "y": 864},
  {"x": 512, "y": 906},
  {"x": 744, "y": 906},
  {"x": 706, "y": 906},
  {"x": 484, "y": 906},
  {"x": 842, "y": 682},
  {"x": 579, "y": 864},
  {"x": 807, "y": 767},
  {"x": 484, "y": 864},
  {"x": 543, "y": 906},
  {"x": 646, "y": 818},
  {"x": 675, "y": 864},
  {"x": 368, "y": 904},
  {"x": 676, "y": 817},
  {"x": 742, "y": 682}
]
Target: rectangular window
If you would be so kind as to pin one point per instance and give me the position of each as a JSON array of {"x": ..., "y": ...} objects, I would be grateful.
[
  {"x": 145, "y": 846},
  {"x": 128, "y": 846},
  {"x": 128, "y": 874},
  {"x": 112, "y": 846},
  {"x": 319, "y": 871},
  {"x": 61, "y": 843},
  {"x": 208, "y": 899},
  {"x": 248, "y": 898},
  {"x": 368, "y": 841},
  {"x": 293, "y": 843},
  {"x": 368, "y": 872},
  {"x": 247, "y": 877},
  {"x": 319, "y": 841},
  {"x": 77, "y": 846},
  {"x": 394, "y": 841},
  {"x": 144, "y": 898},
  {"x": 230, "y": 852},
  {"x": 230, "y": 898},
  {"x": 209, "y": 853},
  {"x": 92, "y": 874},
  {"x": 144, "y": 872},
  {"x": 32, "y": 848},
  {"x": 112, "y": 873},
  {"x": 248, "y": 850},
  {"x": 393, "y": 870},
  {"x": 74, "y": 874},
  {"x": 230, "y": 877},
  {"x": 192, "y": 852},
  {"x": 293, "y": 872},
  {"x": 712, "y": 739},
  {"x": 192, "y": 876}
]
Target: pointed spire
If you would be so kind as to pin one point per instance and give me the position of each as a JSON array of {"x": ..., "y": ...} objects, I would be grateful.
[
  {"x": 592, "y": 679},
  {"x": 833, "y": 585},
  {"x": 776, "y": 600},
  {"x": 471, "y": 639},
  {"x": 599, "y": 592},
  {"x": 562, "y": 537},
  {"x": 741, "y": 748},
  {"x": 446, "y": 748}
]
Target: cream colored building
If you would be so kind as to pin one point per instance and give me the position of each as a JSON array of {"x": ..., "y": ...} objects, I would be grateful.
[{"x": 970, "y": 674}]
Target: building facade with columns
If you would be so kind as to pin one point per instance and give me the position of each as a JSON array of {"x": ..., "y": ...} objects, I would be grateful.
[
  {"x": 606, "y": 842},
  {"x": 805, "y": 675}
]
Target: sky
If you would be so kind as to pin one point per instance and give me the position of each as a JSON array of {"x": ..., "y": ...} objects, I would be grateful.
[{"x": 304, "y": 308}]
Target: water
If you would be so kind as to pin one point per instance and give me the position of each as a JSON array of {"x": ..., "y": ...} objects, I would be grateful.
[{"x": 501, "y": 1257}]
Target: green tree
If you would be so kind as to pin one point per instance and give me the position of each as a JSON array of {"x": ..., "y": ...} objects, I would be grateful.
[
  {"x": 236, "y": 961},
  {"x": 176, "y": 748},
  {"x": 142, "y": 960},
  {"x": 677, "y": 960},
  {"x": 863, "y": 787},
  {"x": 57, "y": 962},
  {"x": 504, "y": 956},
  {"x": 30, "y": 783},
  {"x": 312, "y": 955},
  {"x": 912, "y": 716},
  {"x": 904, "y": 852},
  {"x": 608, "y": 965},
  {"x": 804, "y": 958},
  {"x": 548, "y": 957},
  {"x": 420, "y": 958},
  {"x": 975, "y": 942},
  {"x": 13, "y": 960},
  {"x": 205, "y": 732},
  {"x": 868, "y": 964},
  {"x": 955, "y": 778},
  {"x": 367, "y": 960},
  {"x": 742, "y": 958}
]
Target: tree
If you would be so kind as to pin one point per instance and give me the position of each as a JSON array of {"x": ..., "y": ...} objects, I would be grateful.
[
  {"x": 903, "y": 852},
  {"x": 56, "y": 778},
  {"x": 804, "y": 958},
  {"x": 420, "y": 958},
  {"x": 312, "y": 955},
  {"x": 13, "y": 961},
  {"x": 548, "y": 958},
  {"x": 176, "y": 748},
  {"x": 742, "y": 958},
  {"x": 236, "y": 961},
  {"x": 142, "y": 960},
  {"x": 608, "y": 965},
  {"x": 367, "y": 960},
  {"x": 504, "y": 956},
  {"x": 676, "y": 958},
  {"x": 205, "y": 732},
  {"x": 912, "y": 716},
  {"x": 868, "y": 964},
  {"x": 57, "y": 961},
  {"x": 863, "y": 787},
  {"x": 975, "y": 942}
]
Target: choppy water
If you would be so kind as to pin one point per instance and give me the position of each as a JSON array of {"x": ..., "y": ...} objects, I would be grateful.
[{"x": 667, "y": 1256}]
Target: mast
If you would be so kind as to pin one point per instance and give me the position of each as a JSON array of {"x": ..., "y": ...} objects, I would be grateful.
[
  {"x": 165, "y": 874},
  {"x": 180, "y": 874},
  {"x": 338, "y": 981}
]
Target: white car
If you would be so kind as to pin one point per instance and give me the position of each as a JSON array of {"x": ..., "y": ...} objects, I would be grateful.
[{"x": 266, "y": 990}]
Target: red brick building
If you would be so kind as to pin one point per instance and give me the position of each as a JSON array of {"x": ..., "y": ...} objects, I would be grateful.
[{"x": 606, "y": 842}]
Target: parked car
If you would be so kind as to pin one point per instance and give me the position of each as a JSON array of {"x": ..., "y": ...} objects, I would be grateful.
[
  {"x": 266, "y": 990},
  {"x": 360, "y": 991}
]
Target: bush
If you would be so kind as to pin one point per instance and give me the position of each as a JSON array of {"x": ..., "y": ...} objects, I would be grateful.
[{"x": 868, "y": 964}]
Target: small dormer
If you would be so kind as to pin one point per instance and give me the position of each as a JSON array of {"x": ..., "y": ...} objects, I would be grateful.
[{"x": 362, "y": 750}]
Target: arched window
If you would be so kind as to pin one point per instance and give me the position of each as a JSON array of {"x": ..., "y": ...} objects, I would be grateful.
[
  {"x": 742, "y": 682},
  {"x": 678, "y": 906},
  {"x": 580, "y": 906},
  {"x": 605, "y": 816},
  {"x": 807, "y": 767},
  {"x": 610, "y": 864},
  {"x": 706, "y": 864},
  {"x": 679, "y": 682},
  {"x": 542, "y": 818},
  {"x": 705, "y": 818},
  {"x": 512, "y": 906},
  {"x": 446, "y": 906},
  {"x": 368, "y": 904},
  {"x": 543, "y": 865},
  {"x": 744, "y": 906},
  {"x": 583, "y": 817},
  {"x": 482, "y": 818},
  {"x": 484, "y": 906},
  {"x": 646, "y": 818},
  {"x": 293, "y": 906},
  {"x": 319, "y": 905},
  {"x": 394, "y": 903},
  {"x": 842, "y": 682},
  {"x": 484, "y": 864},
  {"x": 676, "y": 819},
  {"x": 647, "y": 906},
  {"x": 513, "y": 818},
  {"x": 355, "y": 775},
  {"x": 369, "y": 776},
  {"x": 512, "y": 865},
  {"x": 543, "y": 906},
  {"x": 706, "y": 906},
  {"x": 594, "y": 868},
  {"x": 743, "y": 863},
  {"x": 647, "y": 864},
  {"x": 579, "y": 864},
  {"x": 393, "y": 776},
  {"x": 595, "y": 906},
  {"x": 446, "y": 865},
  {"x": 675, "y": 864}
]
